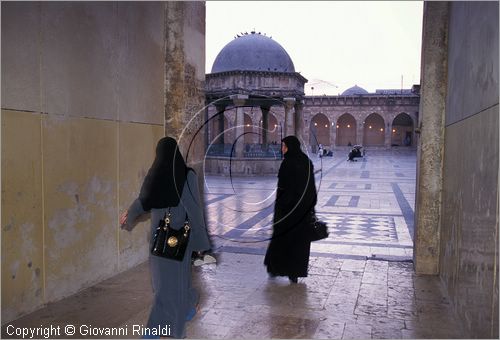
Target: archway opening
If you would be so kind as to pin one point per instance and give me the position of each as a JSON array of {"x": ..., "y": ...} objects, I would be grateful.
[
  {"x": 374, "y": 130},
  {"x": 272, "y": 133},
  {"x": 320, "y": 130},
  {"x": 402, "y": 130},
  {"x": 346, "y": 130},
  {"x": 248, "y": 130}
]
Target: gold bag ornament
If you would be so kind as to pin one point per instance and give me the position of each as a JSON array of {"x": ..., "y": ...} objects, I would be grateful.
[{"x": 168, "y": 242}]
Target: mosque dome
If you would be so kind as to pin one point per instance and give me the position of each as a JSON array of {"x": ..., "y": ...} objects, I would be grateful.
[
  {"x": 355, "y": 90},
  {"x": 253, "y": 52}
]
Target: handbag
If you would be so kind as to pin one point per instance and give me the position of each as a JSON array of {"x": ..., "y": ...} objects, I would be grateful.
[
  {"x": 319, "y": 229},
  {"x": 168, "y": 242}
]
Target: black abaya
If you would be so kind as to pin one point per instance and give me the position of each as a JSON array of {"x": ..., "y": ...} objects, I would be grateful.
[{"x": 288, "y": 251}]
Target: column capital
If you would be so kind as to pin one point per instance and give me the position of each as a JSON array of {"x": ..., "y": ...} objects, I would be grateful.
[
  {"x": 289, "y": 101},
  {"x": 299, "y": 104},
  {"x": 239, "y": 99},
  {"x": 220, "y": 107}
]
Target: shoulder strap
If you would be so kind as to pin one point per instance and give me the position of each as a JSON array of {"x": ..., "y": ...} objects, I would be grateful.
[{"x": 187, "y": 172}]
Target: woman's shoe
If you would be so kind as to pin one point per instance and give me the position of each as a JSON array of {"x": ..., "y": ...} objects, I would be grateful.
[
  {"x": 207, "y": 259},
  {"x": 198, "y": 262},
  {"x": 293, "y": 279},
  {"x": 192, "y": 312}
]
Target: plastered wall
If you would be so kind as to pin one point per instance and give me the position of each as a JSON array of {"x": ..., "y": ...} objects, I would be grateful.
[
  {"x": 83, "y": 105},
  {"x": 469, "y": 228}
]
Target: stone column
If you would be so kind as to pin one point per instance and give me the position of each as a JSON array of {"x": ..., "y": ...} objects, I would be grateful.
[
  {"x": 430, "y": 148},
  {"x": 388, "y": 134},
  {"x": 207, "y": 128},
  {"x": 360, "y": 131},
  {"x": 220, "y": 121},
  {"x": 333, "y": 134},
  {"x": 239, "y": 123},
  {"x": 265, "y": 125},
  {"x": 289, "y": 120},
  {"x": 299, "y": 122}
]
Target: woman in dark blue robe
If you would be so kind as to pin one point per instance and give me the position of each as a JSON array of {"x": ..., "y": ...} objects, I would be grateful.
[{"x": 171, "y": 184}]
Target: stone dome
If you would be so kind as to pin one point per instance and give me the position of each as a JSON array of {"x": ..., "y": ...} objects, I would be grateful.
[
  {"x": 355, "y": 90},
  {"x": 253, "y": 52}
]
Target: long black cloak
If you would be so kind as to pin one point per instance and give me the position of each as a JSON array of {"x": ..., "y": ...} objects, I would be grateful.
[{"x": 288, "y": 251}]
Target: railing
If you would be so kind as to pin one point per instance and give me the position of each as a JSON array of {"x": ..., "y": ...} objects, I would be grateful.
[{"x": 249, "y": 150}]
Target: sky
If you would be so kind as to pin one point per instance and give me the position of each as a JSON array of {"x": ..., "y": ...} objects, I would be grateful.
[{"x": 333, "y": 44}]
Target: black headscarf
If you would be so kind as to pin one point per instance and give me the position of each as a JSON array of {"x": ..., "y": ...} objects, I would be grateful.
[
  {"x": 293, "y": 145},
  {"x": 165, "y": 180},
  {"x": 297, "y": 171}
]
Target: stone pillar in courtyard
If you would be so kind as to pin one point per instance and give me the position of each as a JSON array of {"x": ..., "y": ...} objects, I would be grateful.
[
  {"x": 206, "y": 129},
  {"x": 220, "y": 123},
  {"x": 333, "y": 134},
  {"x": 430, "y": 149},
  {"x": 289, "y": 119},
  {"x": 388, "y": 134},
  {"x": 265, "y": 125},
  {"x": 299, "y": 122},
  {"x": 239, "y": 123},
  {"x": 360, "y": 131}
]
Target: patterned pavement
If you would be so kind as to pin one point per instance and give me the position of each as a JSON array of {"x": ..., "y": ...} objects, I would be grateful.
[{"x": 368, "y": 206}]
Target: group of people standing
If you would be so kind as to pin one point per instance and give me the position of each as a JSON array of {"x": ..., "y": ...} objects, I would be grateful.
[{"x": 171, "y": 186}]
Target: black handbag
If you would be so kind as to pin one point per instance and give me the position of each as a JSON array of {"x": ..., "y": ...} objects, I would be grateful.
[
  {"x": 319, "y": 229},
  {"x": 168, "y": 242}
]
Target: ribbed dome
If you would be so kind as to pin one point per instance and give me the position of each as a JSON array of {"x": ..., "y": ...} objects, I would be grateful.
[
  {"x": 253, "y": 52},
  {"x": 355, "y": 90}
]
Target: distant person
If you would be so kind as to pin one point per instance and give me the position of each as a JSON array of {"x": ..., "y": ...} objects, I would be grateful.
[
  {"x": 320, "y": 151},
  {"x": 350, "y": 156},
  {"x": 355, "y": 152},
  {"x": 289, "y": 249},
  {"x": 171, "y": 186},
  {"x": 349, "y": 144},
  {"x": 407, "y": 141}
]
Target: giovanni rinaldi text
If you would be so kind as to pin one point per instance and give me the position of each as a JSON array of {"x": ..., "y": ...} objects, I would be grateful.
[{"x": 85, "y": 330}]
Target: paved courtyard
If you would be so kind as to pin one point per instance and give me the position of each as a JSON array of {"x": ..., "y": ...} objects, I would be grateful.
[
  {"x": 361, "y": 283},
  {"x": 368, "y": 205}
]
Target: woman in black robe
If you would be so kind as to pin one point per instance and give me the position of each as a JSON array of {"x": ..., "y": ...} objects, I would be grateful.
[{"x": 288, "y": 251}]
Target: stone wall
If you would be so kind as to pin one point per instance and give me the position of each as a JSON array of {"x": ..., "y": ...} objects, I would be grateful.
[
  {"x": 84, "y": 91},
  {"x": 469, "y": 226}
]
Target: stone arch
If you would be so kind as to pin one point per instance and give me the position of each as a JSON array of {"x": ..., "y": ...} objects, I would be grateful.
[
  {"x": 273, "y": 129},
  {"x": 346, "y": 130},
  {"x": 402, "y": 130},
  {"x": 320, "y": 130},
  {"x": 374, "y": 130},
  {"x": 273, "y": 135}
]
